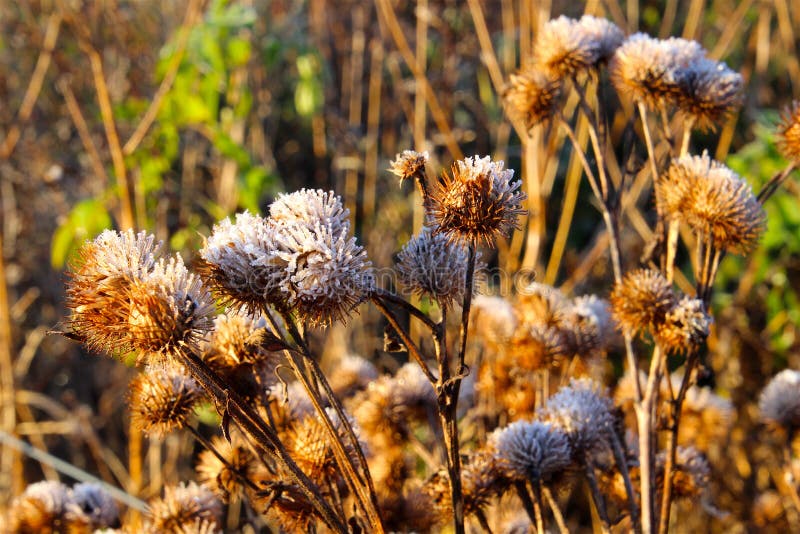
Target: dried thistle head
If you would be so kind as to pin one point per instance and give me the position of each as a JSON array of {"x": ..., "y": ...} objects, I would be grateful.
[
  {"x": 493, "y": 319},
  {"x": 186, "y": 507},
  {"x": 282, "y": 501},
  {"x": 325, "y": 274},
  {"x": 642, "y": 300},
  {"x": 531, "y": 450},
  {"x": 779, "y": 402},
  {"x": 483, "y": 478},
  {"x": 479, "y": 202},
  {"x": 97, "y": 505},
  {"x": 541, "y": 304},
  {"x": 162, "y": 398},
  {"x": 351, "y": 374},
  {"x": 45, "y": 507},
  {"x": 722, "y": 207},
  {"x": 692, "y": 474},
  {"x": 220, "y": 477},
  {"x": 169, "y": 308},
  {"x": 644, "y": 69},
  {"x": 409, "y": 164},
  {"x": 685, "y": 327},
  {"x": 235, "y": 339},
  {"x": 675, "y": 186},
  {"x": 585, "y": 413},
  {"x": 99, "y": 285},
  {"x": 708, "y": 92},
  {"x": 590, "y": 323},
  {"x": 434, "y": 266},
  {"x": 788, "y": 132},
  {"x": 237, "y": 263},
  {"x": 568, "y": 47},
  {"x": 531, "y": 96}
]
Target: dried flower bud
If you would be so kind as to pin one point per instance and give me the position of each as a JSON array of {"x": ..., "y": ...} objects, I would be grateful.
[
  {"x": 788, "y": 132},
  {"x": 94, "y": 502},
  {"x": 708, "y": 92},
  {"x": 642, "y": 300},
  {"x": 186, "y": 507},
  {"x": 531, "y": 450},
  {"x": 779, "y": 402},
  {"x": 169, "y": 308},
  {"x": 162, "y": 398},
  {"x": 409, "y": 164},
  {"x": 685, "y": 326},
  {"x": 584, "y": 412},
  {"x": 531, "y": 97},
  {"x": 99, "y": 286},
  {"x": 223, "y": 478},
  {"x": 567, "y": 47},
  {"x": 479, "y": 202},
  {"x": 431, "y": 265},
  {"x": 237, "y": 263},
  {"x": 644, "y": 69}
]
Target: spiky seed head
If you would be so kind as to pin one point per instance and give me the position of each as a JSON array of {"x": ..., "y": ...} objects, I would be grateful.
[
  {"x": 100, "y": 280},
  {"x": 478, "y": 202},
  {"x": 583, "y": 411},
  {"x": 493, "y": 319},
  {"x": 220, "y": 477},
  {"x": 641, "y": 300},
  {"x": 169, "y": 308},
  {"x": 568, "y": 47},
  {"x": 541, "y": 304},
  {"x": 409, "y": 164},
  {"x": 162, "y": 398},
  {"x": 235, "y": 339},
  {"x": 283, "y": 502},
  {"x": 352, "y": 373},
  {"x": 47, "y": 506},
  {"x": 433, "y": 266},
  {"x": 531, "y": 450},
  {"x": 237, "y": 263},
  {"x": 779, "y": 402},
  {"x": 692, "y": 474},
  {"x": 788, "y": 132},
  {"x": 708, "y": 92},
  {"x": 97, "y": 504},
  {"x": 675, "y": 186},
  {"x": 644, "y": 69},
  {"x": 591, "y": 322},
  {"x": 685, "y": 327},
  {"x": 185, "y": 507},
  {"x": 483, "y": 477},
  {"x": 531, "y": 97},
  {"x": 723, "y": 207}
]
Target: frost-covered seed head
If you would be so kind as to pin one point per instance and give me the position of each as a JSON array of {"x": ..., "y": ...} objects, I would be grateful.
[
  {"x": 584, "y": 412},
  {"x": 788, "y": 132},
  {"x": 311, "y": 207},
  {"x": 162, "y": 398},
  {"x": 642, "y": 300},
  {"x": 708, "y": 92},
  {"x": 184, "y": 508},
  {"x": 96, "y": 503},
  {"x": 532, "y": 450},
  {"x": 567, "y": 47},
  {"x": 409, "y": 164},
  {"x": 47, "y": 506},
  {"x": 479, "y": 202},
  {"x": 431, "y": 265},
  {"x": 779, "y": 402},
  {"x": 531, "y": 96},
  {"x": 685, "y": 326},
  {"x": 223, "y": 478}
]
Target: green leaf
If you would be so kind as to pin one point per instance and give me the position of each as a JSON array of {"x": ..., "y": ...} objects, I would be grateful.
[
  {"x": 238, "y": 51},
  {"x": 87, "y": 219}
]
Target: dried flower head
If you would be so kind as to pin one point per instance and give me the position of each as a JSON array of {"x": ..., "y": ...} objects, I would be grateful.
[
  {"x": 352, "y": 373},
  {"x": 592, "y": 324},
  {"x": 692, "y": 474},
  {"x": 324, "y": 274},
  {"x": 531, "y": 450},
  {"x": 97, "y": 505},
  {"x": 311, "y": 207},
  {"x": 644, "y": 69},
  {"x": 685, "y": 327},
  {"x": 483, "y": 478},
  {"x": 235, "y": 339},
  {"x": 237, "y": 263},
  {"x": 584, "y": 412},
  {"x": 46, "y": 507},
  {"x": 431, "y": 265},
  {"x": 224, "y": 478},
  {"x": 478, "y": 203},
  {"x": 283, "y": 502},
  {"x": 100, "y": 280},
  {"x": 642, "y": 300},
  {"x": 410, "y": 388},
  {"x": 708, "y": 92},
  {"x": 779, "y": 402},
  {"x": 788, "y": 132},
  {"x": 568, "y": 47},
  {"x": 185, "y": 508},
  {"x": 675, "y": 186},
  {"x": 493, "y": 319},
  {"x": 409, "y": 164},
  {"x": 162, "y": 398},
  {"x": 531, "y": 97},
  {"x": 541, "y": 304},
  {"x": 169, "y": 308}
]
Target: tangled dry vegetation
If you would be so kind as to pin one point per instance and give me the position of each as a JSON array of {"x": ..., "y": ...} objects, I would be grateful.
[{"x": 506, "y": 412}]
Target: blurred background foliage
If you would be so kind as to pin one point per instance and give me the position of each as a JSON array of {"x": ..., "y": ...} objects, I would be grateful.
[{"x": 170, "y": 115}]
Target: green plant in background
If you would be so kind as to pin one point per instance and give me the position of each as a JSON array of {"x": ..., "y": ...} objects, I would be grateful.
[{"x": 771, "y": 267}]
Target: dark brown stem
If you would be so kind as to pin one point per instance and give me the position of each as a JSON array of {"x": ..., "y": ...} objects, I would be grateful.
[
  {"x": 413, "y": 350},
  {"x": 622, "y": 465},
  {"x": 264, "y": 438},
  {"x": 527, "y": 502},
  {"x": 410, "y": 308},
  {"x": 597, "y": 497}
]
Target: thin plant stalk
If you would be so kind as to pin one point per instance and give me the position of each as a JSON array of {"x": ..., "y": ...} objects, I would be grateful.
[
  {"x": 527, "y": 502},
  {"x": 538, "y": 507},
  {"x": 622, "y": 465},
  {"x": 555, "y": 509},
  {"x": 597, "y": 496},
  {"x": 644, "y": 417}
]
